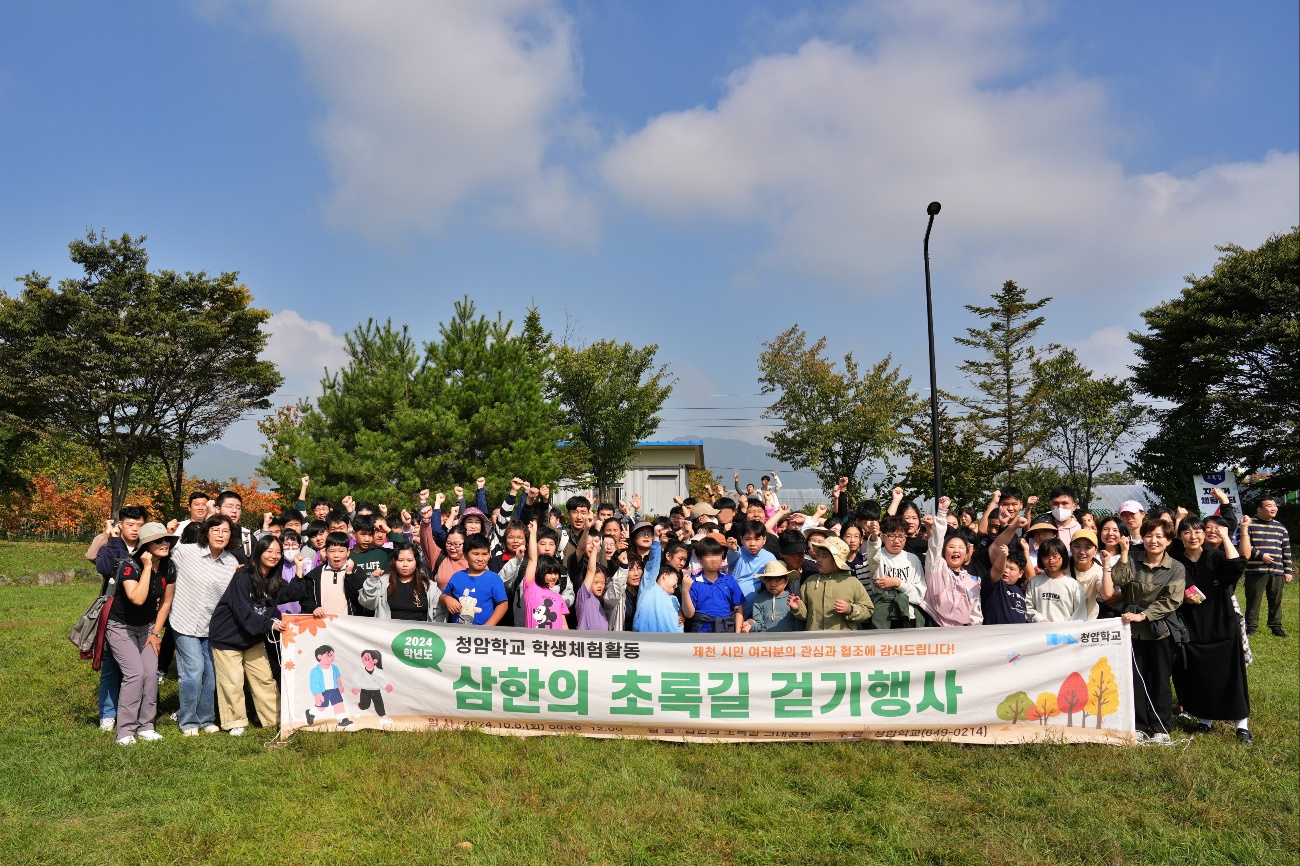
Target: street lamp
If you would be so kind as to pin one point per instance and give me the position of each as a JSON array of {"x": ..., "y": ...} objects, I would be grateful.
[{"x": 932, "y": 209}]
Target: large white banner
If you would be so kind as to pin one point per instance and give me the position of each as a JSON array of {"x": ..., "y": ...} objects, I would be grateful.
[{"x": 986, "y": 684}]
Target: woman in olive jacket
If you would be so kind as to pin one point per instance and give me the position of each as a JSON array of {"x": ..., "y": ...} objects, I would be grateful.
[{"x": 1153, "y": 583}]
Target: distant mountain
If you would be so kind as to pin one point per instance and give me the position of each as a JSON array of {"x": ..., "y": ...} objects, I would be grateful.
[
  {"x": 725, "y": 456},
  {"x": 215, "y": 462}
]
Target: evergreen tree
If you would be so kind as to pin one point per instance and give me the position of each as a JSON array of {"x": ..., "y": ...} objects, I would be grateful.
[
  {"x": 1226, "y": 353},
  {"x": 1003, "y": 378},
  {"x": 394, "y": 421}
]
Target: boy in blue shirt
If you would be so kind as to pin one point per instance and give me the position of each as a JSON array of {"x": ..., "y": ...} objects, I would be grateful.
[
  {"x": 476, "y": 595},
  {"x": 712, "y": 600}
]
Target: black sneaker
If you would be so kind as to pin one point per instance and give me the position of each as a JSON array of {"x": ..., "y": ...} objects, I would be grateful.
[
  {"x": 1251, "y": 629},
  {"x": 1203, "y": 728},
  {"x": 1244, "y": 737},
  {"x": 1277, "y": 630}
]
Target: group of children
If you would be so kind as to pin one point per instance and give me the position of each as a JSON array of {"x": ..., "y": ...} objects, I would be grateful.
[{"x": 714, "y": 567}]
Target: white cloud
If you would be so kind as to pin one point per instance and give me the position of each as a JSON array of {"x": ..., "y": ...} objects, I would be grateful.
[
  {"x": 836, "y": 150},
  {"x": 302, "y": 349},
  {"x": 1107, "y": 352},
  {"x": 441, "y": 109}
]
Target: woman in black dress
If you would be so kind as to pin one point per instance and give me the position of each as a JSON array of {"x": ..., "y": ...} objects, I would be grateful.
[{"x": 1212, "y": 683}]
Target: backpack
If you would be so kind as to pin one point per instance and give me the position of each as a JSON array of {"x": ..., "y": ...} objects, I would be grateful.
[{"x": 88, "y": 634}]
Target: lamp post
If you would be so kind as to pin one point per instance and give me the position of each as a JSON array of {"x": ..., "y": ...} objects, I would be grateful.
[{"x": 932, "y": 209}]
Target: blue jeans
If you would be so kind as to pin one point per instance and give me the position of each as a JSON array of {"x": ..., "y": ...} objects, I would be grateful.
[
  {"x": 198, "y": 682},
  {"x": 110, "y": 682}
]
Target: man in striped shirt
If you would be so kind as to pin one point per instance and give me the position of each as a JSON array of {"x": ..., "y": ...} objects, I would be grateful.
[{"x": 1269, "y": 567}]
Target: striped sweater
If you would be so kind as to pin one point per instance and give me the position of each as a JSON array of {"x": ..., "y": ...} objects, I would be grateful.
[{"x": 1269, "y": 536}]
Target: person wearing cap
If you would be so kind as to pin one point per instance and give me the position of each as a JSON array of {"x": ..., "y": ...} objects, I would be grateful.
[
  {"x": 141, "y": 603},
  {"x": 772, "y": 610},
  {"x": 794, "y": 553},
  {"x": 1133, "y": 514},
  {"x": 831, "y": 599},
  {"x": 1086, "y": 568}
]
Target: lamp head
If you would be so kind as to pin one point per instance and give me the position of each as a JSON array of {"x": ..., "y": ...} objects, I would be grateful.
[{"x": 933, "y": 208}]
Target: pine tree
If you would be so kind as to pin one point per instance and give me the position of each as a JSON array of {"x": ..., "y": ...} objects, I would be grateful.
[
  {"x": 394, "y": 421},
  {"x": 1003, "y": 377}
]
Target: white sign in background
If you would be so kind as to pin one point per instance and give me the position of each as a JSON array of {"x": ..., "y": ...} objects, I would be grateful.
[
  {"x": 1206, "y": 482},
  {"x": 989, "y": 684}
]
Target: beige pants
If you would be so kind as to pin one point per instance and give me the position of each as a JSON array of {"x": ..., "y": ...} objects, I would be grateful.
[{"x": 232, "y": 666}]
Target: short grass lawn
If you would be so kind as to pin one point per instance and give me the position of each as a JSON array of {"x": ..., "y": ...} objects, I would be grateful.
[
  {"x": 69, "y": 795},
  {"x": 26, "y": 558}
]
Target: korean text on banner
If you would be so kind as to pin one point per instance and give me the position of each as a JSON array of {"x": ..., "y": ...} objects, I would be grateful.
[{"x": 992, "y": 684}]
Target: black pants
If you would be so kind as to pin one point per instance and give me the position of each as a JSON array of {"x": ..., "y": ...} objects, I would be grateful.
[
  {"x": 1152, "y": 695},
  {"x": 372, "y": 695},
  {"x": 1258, "y": 587},
  {"x": 167, "y": 651}
]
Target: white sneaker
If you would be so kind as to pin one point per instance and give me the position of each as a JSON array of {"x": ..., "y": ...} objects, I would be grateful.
[
  {"x": 107, "y": 724},
  {"x": 190, "y": 732},
  {"x": 210, "y": 729},
  {"x": 1139, "y": 737},
  {"x": 236, "y": 732},
  {"x": 176, "y": 716},
  {"x": 1160, "y": 740},
  {"x": 149, "y": 736},
  {"x": 128, "y": 740},
  {"x": 384, "y": 720}
]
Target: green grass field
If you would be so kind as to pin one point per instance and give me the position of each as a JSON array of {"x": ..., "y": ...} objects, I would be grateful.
[
  {"x": 70, "y": 795},
  {"x": 25, "y": 558}
]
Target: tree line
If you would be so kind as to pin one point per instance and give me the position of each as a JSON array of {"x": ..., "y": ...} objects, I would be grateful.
[
  {"x": 1216, "y": 384},
  {"x": 137, "y": 368}
]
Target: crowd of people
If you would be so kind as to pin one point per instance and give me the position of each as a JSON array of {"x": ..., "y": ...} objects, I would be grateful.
[{"x": 211, "y": 593}]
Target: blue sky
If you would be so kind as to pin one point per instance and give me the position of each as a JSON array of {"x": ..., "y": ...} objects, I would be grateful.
[{"x": 698, "y": 175}]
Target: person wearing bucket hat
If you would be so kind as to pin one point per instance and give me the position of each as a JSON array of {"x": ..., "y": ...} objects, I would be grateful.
[
  {"x": 141, "y": 603},
  {"x": 1038, "y": 532},
  {"x": 832, "y": 599},
  {"x": 772, "y": 603}
]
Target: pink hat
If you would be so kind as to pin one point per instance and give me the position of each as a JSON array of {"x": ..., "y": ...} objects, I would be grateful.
[{"x": 1132, "y": 505}]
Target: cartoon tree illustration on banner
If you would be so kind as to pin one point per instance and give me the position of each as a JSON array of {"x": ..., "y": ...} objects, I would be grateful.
[
  {"x": 1043, "y": 709},
  {"x": 1072, "y": 697},
  {"x": 1014, "y": 707},
  {"x": 1103, "y": 690}
]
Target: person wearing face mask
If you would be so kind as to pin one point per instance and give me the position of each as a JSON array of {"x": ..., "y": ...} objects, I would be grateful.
[{"x": 1064, "y": 504}]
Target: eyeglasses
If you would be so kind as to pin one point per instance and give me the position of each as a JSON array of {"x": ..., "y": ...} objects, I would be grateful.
[{"x": 895, "y": 535}]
